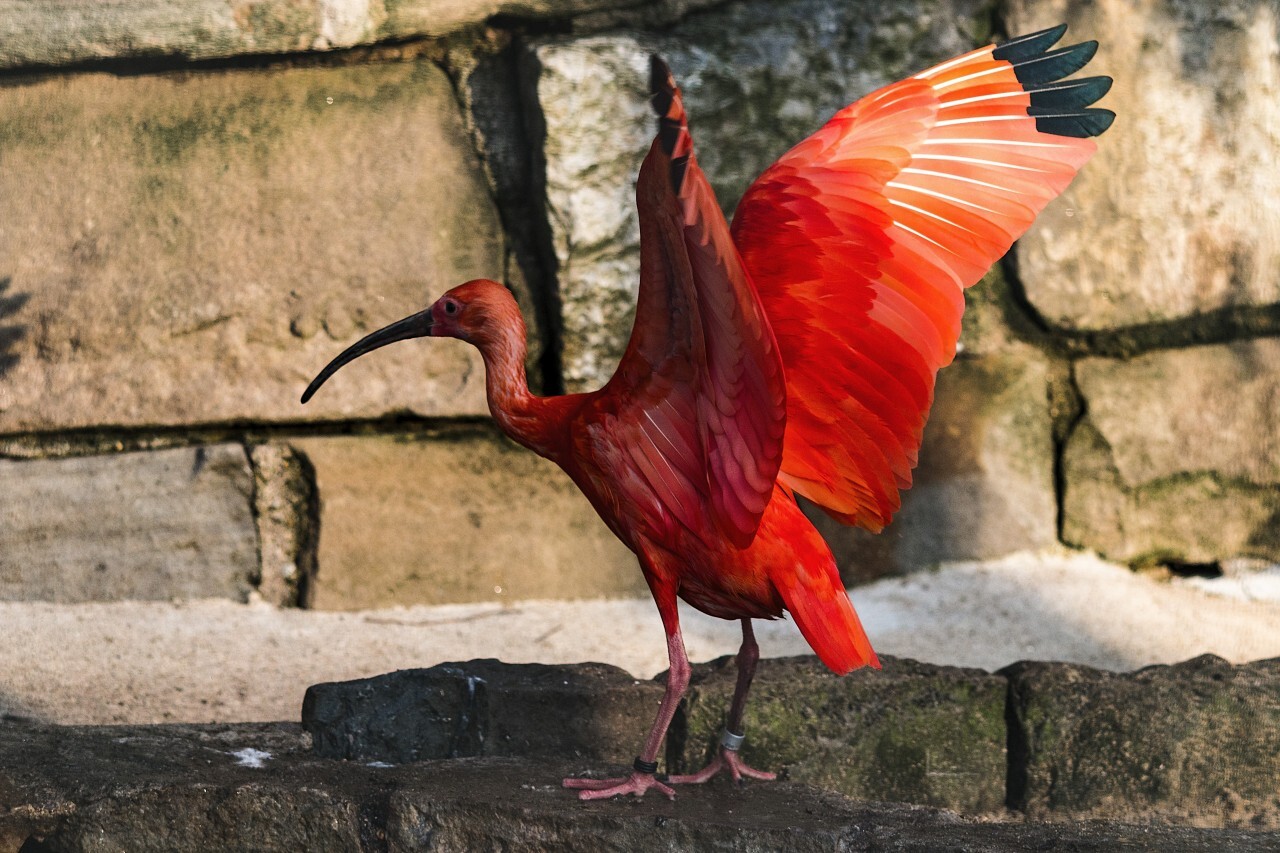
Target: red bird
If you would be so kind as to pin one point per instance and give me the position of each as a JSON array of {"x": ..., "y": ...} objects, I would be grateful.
[{"x": 793, "y": 353}]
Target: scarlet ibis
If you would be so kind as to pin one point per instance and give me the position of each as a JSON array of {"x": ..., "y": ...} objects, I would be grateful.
[{"x": 792, "y": 354}]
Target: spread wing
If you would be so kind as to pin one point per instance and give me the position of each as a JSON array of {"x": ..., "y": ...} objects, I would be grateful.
[
  {"x": 862, "y": 238},
  {"x": 704, "y": 404}
]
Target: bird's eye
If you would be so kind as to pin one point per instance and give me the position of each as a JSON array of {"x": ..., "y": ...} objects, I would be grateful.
[{"x": 451, "y": 307}]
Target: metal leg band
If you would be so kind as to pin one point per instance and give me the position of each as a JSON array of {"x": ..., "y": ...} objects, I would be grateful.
[
  {"x": 643, "y": 766},
  {"x": 731, "y": 741}
]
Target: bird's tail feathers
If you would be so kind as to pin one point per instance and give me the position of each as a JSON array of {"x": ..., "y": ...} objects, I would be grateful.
[{"x": 816, "y": 598}]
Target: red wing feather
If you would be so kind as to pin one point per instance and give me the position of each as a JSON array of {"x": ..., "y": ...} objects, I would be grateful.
[
  {"x": 862, "y": 239},
  {"x": 702, "y": 367}
]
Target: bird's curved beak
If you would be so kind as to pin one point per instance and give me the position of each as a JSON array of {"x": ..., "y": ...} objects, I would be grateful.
[{"x": 415, "y": 326}]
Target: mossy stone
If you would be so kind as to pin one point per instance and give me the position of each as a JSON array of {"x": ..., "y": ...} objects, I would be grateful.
[{"x": 911, "y": 732}]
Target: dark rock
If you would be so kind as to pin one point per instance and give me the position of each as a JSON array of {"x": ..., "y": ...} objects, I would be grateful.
[
  {"x": 1197, "y": 742},
  {"x": 911, "y": 732},
  {"x": 180, "y": 788},
  {"x": 591, "y": 711}
]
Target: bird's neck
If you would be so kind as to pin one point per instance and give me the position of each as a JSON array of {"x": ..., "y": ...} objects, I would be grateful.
[{"x": 536, "y": 422}]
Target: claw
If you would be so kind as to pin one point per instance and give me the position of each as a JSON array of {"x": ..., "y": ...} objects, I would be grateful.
[
  {"x": 601, "y": 789},
  {"x": 725, "y": 759}
]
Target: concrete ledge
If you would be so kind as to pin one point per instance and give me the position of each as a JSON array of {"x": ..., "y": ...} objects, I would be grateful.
[{"x": 256, "y": 787}]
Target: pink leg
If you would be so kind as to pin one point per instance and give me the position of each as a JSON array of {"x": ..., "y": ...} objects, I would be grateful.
[
  {"x": 726, "y": 757},
  {"x": 641, "y": 778}
]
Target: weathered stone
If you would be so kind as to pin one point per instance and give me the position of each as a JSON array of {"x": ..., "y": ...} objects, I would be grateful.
[
  {"x": 60, "y": 32},
  {"x": 1176, "y": 456},
  {"x": 463, "y": 516},
  {"x": 161, "y": 525},
  {"x": 489, "y": 82},
  {"x": 912, "y": 733},
  {"x": 192, "y": 248},
  {"x": 187, "y": 788},
  {"x": 1165, "y": 222},
  {"x": 1198, "y": 409},
  {"x": 1197, "y": 742},
  {"x": 984, "y": 486},
  {"x": 287, "y": 511},
  {"x": 757, "y": 77},
  {"x": 588, "y": 711}
]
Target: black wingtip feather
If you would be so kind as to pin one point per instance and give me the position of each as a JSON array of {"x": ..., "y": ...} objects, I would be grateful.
[
  {"x": 1070, "y": 94},
  {"x": 1032, "y": 44},
  {"x": 659, "y": 85},
  {"x": 1080, "y": 124},
  {"x": 1054, "y": 65},
  {"x": 678, "y": 167}
]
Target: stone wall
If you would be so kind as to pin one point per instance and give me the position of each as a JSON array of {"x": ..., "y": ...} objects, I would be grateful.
[{"x": 199, "y": 206}]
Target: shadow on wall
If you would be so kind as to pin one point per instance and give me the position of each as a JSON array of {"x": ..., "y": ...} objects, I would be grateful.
[{"x": 10, "y": 334}]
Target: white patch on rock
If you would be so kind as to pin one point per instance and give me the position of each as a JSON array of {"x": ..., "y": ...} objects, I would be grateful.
[{"x": 250, "y": 757}]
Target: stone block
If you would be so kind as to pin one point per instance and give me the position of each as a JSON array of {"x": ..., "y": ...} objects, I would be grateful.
[
  {"x": 757, "y": 78},
  {"x": 152, "y": 525},
  {"x": 59, "y": 32},
  {"x": 1177, "y": 455},
  {"x": 1197, "y": 742},
  {"x": 1166, "y": 222},
  {"x": 187, "y": 248},
  {"x": 461, "y": 516},
  {"x": 589, "y": 711},
  {"x": 984, "y": 486},
  {"x": 912, "y": 732},
  {"x": 287, "y": 509}
]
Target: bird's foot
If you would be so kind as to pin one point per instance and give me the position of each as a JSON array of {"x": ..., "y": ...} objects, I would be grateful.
[
  {"x": 726, "y": 759},
  {"x": 601, "y": 789}
]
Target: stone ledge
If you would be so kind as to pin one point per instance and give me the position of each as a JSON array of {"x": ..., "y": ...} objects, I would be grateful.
[
  {"x": 1083, "y": 743},
  {"x": 192, "y": 787}
]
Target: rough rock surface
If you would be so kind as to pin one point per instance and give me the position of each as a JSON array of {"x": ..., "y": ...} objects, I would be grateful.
[
  {"x": 1171, "y": 219},
  {"x": 60, "y": 32},
  {"x": 592, "y": 712},
  {"x": 287, "y": 510},
  {"x": 1174, "y": 457},
  {"x": 162, "y": 525},
  {"x": 463, "y": 515},
  {"x": 1199, "y": 740},
  {"x": 913, "y": 732},
  {"x": 254, "y": 787},
  {"x": 757, "y": 77},
  {"x": 190, "y": 248},
  {"x": 1081, "y": 742}
]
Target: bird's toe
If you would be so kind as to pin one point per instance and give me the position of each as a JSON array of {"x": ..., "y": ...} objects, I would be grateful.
[{"x": 635, "y": 785}]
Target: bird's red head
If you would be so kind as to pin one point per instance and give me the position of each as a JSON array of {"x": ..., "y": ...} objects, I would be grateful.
[
  {"x": 477, "y": 312},
  {"x": 473, "y": 311}
]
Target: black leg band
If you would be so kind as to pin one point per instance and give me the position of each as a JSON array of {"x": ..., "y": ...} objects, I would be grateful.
[{"x": 643, "y": 766}]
